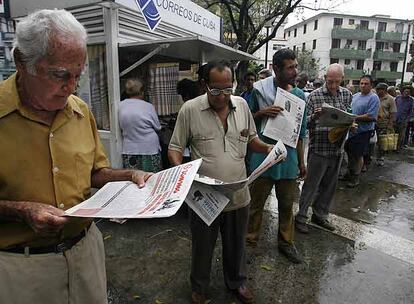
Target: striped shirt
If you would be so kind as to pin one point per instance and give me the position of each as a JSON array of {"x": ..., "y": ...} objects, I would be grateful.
[{"x": 318, "y": 136}]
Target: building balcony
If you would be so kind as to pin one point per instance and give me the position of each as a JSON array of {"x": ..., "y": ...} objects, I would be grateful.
[
  {"x": 386, "y": 75},
  {"x": 388, "y": 56},
  {"x": 389, "y": 36},
  {"x": 354, "y": 34},
  {"x": 353, "y": 74},
  {"x": 350, "y": 54}
]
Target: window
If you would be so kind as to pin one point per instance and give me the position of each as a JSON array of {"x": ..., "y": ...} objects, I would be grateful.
[
  {"x": 289, "y": 34},
  {"x": 379, "y": 46},
  {"x": 334, "y": 60},
  {"x": 377, "y": 66},
  {"x": 295, "y": 33},
  {"x": 284, "y": 35},
  {"x": 399, "y": 27},
  {"x": 303, "y": 46},
  {"x": 315, "y": 25},
  {"x": 382, "y": 26},
  {"x": 364, "y": 25},
  {"x": 294, "y": 48},
  {"x": 314, "y": 44},
  {"x": 351, "y": 21},
  {"x": 396, "y": 47},
  {"x": 362, "y": 45},
  {"x": 360, "y": 64},
  {"x": 393, "y": 66},
  {"x": 348, "y": 44},
  {"x": 338, "y": 22},
  {"x": 347, "y": 61},
  {"x": 336, "y": 43},
  {"x": 355, "y": 82},
  {"x": 304, "y": 28}
]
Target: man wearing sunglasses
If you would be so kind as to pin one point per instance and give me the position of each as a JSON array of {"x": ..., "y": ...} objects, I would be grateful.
[
  {"x": 218, "y": 127},
  {"x": 282, "y": 176},
  {"x": 50, "y": 157}
]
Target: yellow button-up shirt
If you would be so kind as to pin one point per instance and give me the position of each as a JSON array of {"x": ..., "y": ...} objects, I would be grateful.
[
  {"x": 45, "y": 164},
  {"x": 199, "y": 127}
]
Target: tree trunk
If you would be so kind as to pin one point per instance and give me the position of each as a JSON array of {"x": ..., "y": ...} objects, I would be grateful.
[{"x": 240, "y": 72}]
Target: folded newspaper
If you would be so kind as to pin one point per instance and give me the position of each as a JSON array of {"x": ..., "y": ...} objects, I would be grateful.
[
  {"x": 162, "y": 196},
  {"x": 334, "y": 117},
  {"x": 207, "y": 195}
]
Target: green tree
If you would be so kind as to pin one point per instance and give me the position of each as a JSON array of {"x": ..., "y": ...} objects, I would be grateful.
[
  {"x": 244, "y": 20},
  {"x": 307, "y": 64}
]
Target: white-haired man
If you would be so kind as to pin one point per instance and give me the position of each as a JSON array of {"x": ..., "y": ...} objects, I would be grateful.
[
  {"x": 50, "y": 157},
  {"x": 324, "y": 158}
]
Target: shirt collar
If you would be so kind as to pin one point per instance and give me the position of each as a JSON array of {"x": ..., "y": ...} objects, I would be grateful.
[{"x": 326, "y": 91}]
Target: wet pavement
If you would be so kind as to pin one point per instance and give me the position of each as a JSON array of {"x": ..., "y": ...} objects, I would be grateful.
[{"x": 368, "y": 259}]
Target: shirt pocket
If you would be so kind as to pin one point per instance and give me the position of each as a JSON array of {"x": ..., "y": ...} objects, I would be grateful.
[
  {"x": 238, "y": 145},
  {"x": 84, "y": 166},
  {"x": 206, "y": 145}
]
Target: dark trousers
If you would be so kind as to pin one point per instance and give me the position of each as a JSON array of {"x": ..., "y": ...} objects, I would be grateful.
[
  {"x": 286, "y": 194},
  {"x": 233, "y": 227},
  {"x": 319, "y": 186}
]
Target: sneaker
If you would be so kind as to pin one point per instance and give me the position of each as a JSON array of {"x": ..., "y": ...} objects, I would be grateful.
[
  {"x": 354, "y": 181},
  {"x": 380, "y": 162},
  {"x": 291, "y": 253},
  {"x": 324, "y": 223},
  {"x": 302, "y": 227}
]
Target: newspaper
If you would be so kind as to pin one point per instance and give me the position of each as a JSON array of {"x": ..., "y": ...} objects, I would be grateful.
[
  {"x": 162, "y": 196},
  {"x": 287, "y": 124},
  {"x": 334, "y": 117},
  {"x": 207, "y": 196},
  {"x": 206, "y": 202}
]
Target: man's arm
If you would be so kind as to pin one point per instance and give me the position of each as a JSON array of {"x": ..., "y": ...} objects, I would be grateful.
[
  {"x": 175, "y": 157},
  {"x": 104, "y": 175},
  {"x": 301, "y": 158},
  {"x": 258, "y": 146},
  {"x": 365, "y": 118}
]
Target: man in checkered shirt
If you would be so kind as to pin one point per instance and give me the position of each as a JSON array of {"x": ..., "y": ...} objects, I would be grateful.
[{"x": 324, "y": 157}]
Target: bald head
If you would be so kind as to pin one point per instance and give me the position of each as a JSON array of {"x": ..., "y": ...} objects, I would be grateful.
[
  {"x": 335, "y": 69},
  {"x": 334, "y": 76}
]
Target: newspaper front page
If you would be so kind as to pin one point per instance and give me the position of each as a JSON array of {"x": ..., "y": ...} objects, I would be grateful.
[
  {"x": 162, "y": 196},
  {"x": 286, "y": 125},
  {"x": 207, "y": 196},
  {"x": 334, "y": 117}
]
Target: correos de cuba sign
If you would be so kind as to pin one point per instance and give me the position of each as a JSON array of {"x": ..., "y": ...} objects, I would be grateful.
[{"x": 180, "y": 13}]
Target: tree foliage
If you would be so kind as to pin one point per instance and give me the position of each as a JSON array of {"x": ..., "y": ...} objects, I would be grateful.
[{"x": 307, "y": 64}]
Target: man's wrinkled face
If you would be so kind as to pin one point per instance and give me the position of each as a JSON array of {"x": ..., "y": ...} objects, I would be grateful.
[
  {"x": 289, "y": 72},
  {"x": 365, "y": 86},
  {"x": 250, "y": 80},
  {"x": 333, "y": 80},
  {"x": 219, "y": 80},
  {"x": 56, "y": 76}
]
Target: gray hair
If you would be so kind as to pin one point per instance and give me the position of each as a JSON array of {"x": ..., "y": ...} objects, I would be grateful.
[
  {"x": 134, "y": 87},
  {"x": 33, "y": 34}
]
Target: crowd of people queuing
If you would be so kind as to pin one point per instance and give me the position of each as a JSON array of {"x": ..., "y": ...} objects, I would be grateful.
[{"x": 59, "y": 259}]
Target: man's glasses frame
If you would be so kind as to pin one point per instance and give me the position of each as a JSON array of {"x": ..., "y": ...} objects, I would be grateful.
[{"x": 217, "y": 92}]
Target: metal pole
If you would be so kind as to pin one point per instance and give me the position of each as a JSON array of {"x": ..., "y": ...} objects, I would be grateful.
[
  {"x": 267, "y": 46},
  {"x": 405, "y": 53}
]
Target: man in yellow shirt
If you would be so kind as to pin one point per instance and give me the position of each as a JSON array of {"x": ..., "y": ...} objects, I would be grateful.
[{"x": 50, "y": 157}]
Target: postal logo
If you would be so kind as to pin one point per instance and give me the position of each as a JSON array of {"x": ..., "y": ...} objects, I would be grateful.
[{"x": 150, "y": 13}]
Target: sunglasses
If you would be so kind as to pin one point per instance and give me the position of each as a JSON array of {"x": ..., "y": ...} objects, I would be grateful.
[{"x": 217, "y": 92}]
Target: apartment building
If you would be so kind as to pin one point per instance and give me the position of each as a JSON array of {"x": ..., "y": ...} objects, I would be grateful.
[
  {"x": 375, "y": 45},
  {"x": 7, "y": 30}
]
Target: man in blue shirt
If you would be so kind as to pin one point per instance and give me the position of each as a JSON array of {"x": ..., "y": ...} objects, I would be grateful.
[
  {"x": 365, "y": 105},
  {"x": 249, "y": 80},
  {"x": 282, "y": 176}
]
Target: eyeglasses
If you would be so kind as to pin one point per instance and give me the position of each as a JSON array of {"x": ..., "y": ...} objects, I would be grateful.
[{"x": 217, "y": 92}]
